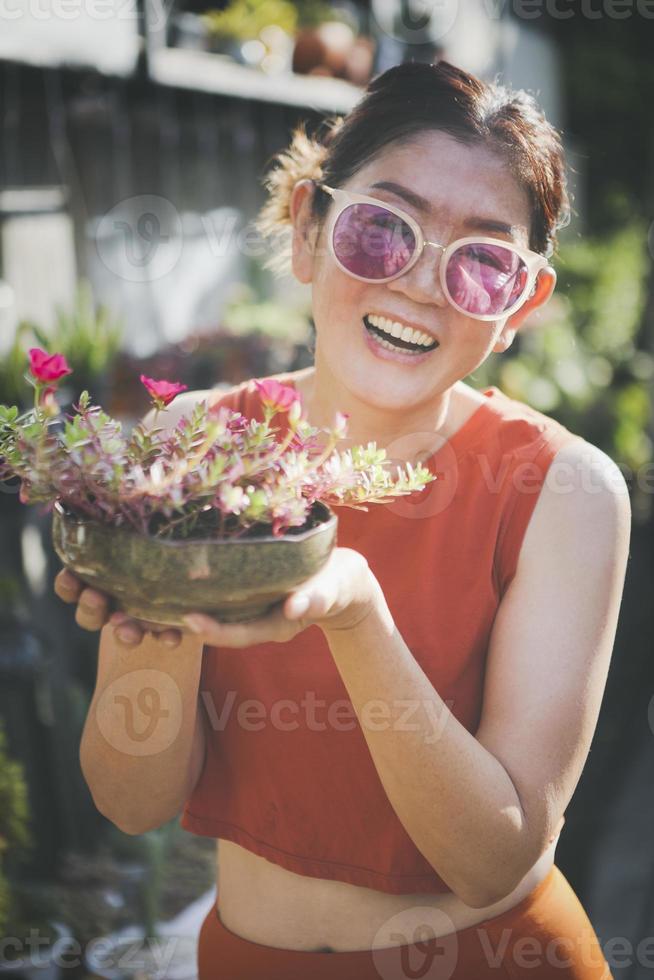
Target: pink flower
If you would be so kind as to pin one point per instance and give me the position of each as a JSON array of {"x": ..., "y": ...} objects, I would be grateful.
[
  {"x": 47, "y": 367},
  {"x": 237, "y": 423},
  {"x": 162, "y": 392},
  {"x": 276, "y": 396},
  {"x": 340, "y": 425}
]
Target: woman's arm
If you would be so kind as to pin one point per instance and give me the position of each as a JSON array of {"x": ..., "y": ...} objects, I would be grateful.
[
  {"x": 482, "y": 808},
  {"x": 143, "y": 742},
  {"x": 142, "y": 747}
]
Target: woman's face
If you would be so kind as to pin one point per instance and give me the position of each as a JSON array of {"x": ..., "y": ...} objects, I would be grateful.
[{"x": 470, "y": 190}]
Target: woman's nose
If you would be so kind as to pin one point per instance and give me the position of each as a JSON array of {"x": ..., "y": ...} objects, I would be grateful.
[{"x": 422, "y": 282}]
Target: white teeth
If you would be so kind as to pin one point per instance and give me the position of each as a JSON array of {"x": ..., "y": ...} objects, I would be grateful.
[
  {"x": 389, "y": 346},
  {"x": 395, "y": 329}
]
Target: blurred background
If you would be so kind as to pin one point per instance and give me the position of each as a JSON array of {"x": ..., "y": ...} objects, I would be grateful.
[{"x": 134, "y": 136}]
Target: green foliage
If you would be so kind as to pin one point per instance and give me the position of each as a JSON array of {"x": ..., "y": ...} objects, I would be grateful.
[
  {"x": 12, "y": 369},
  {"x": 11, "y": 595},
  {"x": 151, "y": 851},
  {"x": 88, "y": 336},
  {"x": 14, "y": 819},
  {"x": 582, "y": 363},
  {"x": 244, "y": 317},
  {"x": 242, "y": 20},
  {"x": 157, "y": 844},
  {"x": 216, "y": 473}
]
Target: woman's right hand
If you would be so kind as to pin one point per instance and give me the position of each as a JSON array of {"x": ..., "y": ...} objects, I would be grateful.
[{"x": 94, "y": 611}]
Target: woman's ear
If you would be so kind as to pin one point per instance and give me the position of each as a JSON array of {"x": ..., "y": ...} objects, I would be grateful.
[
  {"x": 541, "y": 292},
  {"x": 303, "y": 230}
]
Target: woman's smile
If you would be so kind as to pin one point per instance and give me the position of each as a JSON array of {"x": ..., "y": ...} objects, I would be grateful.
[{"x": 389, "y": 348}]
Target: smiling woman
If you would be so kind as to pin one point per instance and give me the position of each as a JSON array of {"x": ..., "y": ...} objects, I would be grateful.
[{"x": 458, "y": 639}]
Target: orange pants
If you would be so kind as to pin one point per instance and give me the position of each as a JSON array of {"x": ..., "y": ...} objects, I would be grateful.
[{"x": 546, "y": 936}]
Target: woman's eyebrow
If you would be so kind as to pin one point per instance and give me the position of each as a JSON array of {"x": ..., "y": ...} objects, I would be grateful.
[
  {"x": 475, "y": 223},
  {"x": 409, "y": 196}
]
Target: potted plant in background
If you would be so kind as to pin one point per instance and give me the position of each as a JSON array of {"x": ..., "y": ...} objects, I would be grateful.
[
  {"x": 305, "y": 36},
  {"x": 258, "y": 33},
  {"x": 89, "y": 338},
  {"x": 224, "y": 514},
  {"x": 88, "y": 335}
]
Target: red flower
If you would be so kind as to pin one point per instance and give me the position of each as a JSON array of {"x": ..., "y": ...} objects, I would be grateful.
[
  {"x": 47, "y": 367},
  {"x": 276, "y": 396},
  {"x": 162, "y": 392}
]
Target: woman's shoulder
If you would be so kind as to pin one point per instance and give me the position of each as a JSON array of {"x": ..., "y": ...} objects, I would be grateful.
[
  {"x": 579, "y": 478},
  {"x": 558, "y": 483},
  {"x": 522, "y": 430},
  {"x": 570, "y": 452}
]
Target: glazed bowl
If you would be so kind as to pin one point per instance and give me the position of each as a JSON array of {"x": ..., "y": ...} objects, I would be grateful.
[{"x": 160, "y": 580}]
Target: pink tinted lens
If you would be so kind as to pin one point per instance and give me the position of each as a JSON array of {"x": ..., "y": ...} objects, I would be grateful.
[
  {"x": 371, "y": 242},
  {"x": 485, "y": 279}
]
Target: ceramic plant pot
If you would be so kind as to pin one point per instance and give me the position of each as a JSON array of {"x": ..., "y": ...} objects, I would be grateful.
[{"x": 160, "y": 580}]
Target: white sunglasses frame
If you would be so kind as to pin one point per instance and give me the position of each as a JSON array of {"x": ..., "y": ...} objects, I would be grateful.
[{"x": 534, "y": 261}]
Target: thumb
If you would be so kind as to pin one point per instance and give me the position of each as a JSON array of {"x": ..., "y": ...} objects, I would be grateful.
[
  {"x": 296, "y": 605},
  {"x": 314, "y": 599}
]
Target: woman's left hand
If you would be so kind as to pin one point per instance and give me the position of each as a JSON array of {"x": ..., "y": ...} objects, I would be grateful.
[{"x": 339, "y": 597}]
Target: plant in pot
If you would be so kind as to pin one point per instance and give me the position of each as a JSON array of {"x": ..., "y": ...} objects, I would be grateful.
[
  {"x": 32, "y": 943},
  {"x": 223, "y": 514},
  {"x": 258, "y": 33},
  {"x": 88, "y": 335}
]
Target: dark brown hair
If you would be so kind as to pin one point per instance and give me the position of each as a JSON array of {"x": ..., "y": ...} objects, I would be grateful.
[{"x": 405, "y": 101}]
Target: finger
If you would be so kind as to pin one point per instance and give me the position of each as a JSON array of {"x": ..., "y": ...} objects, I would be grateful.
[
  {"x": 340, "y": 583},
  {"x": 119, "y": 617},
  {"x": 67, "y": 586},
  {"x": 132, "y": 630},
  {"x": 297, "y": 605},
  {"x": 128, "y": 633},
  {"x": 92, "y": 610},
  {"x": 170, "y": 637},
  {"x": 153, "y": 627},
  {"x": 314, "y": 599},
  {"x": 271, "y": 628}
]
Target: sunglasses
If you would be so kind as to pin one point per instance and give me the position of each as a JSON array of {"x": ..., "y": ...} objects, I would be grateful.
[{"x": 484, "y": 278}]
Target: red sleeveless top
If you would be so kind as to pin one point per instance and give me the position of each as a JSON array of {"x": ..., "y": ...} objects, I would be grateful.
[{"x": 288, "y": 774}]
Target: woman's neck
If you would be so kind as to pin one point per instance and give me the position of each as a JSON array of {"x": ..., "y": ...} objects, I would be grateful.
[{"x": 322, "y": 397}]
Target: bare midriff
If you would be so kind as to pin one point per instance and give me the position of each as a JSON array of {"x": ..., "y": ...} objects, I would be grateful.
[{"x": 267, "y": 904}]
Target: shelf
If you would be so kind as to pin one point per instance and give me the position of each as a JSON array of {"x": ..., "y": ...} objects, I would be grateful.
[
  {"x": 221, "y": 75},
  {"x": 53, "y": 42}
]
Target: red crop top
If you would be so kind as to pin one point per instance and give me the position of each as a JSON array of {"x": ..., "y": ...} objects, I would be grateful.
[{"x": 288, "y": 774}]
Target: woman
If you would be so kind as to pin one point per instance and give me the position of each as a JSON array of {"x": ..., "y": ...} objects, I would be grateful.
[{"x": 413, "y": 721}]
